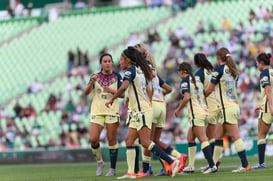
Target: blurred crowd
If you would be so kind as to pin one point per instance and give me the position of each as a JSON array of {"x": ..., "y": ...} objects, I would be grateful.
[{"x": 244, "y": 42}]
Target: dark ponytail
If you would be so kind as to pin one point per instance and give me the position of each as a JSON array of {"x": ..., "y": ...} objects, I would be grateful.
[
  {"x": 264, "y": 57},
  {"x": 201, "y": 60},
  {"x": 186, "y": 68},
  {"x": 138, "y": 59}
]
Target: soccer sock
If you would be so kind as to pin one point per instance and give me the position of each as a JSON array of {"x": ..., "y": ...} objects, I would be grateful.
[
  {"x": 131, "y": 154},
  {"x": 113, "y": 150},
  {"x": 160, "y": 153},
  {"x": 218, "y": 148},
  {"x": 137, "y": 159},
  {"x": 261, "y": 150},
  {"x": 172, "y": 152},
  {"x": 192, "y": 152},
  {"x": 240, "y": 148},
  {"x": 97, "y": 153},
  {"x": 212, "y": 143},
  {"x": 205, "y": 146},
  {"x": 146, "y": 163}
]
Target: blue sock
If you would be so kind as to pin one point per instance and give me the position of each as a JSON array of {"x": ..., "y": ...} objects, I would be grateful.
[
  {"x": 261, "y": 150},
  {"x": 161, "y": 154}
]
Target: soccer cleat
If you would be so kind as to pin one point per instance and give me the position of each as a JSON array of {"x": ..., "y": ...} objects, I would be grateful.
[
  {"x": 111, "y": 172},
  {"x": 242, "y": 169},
  {"x": 259, "y": 166},
  {"x": 211, "y": 170},
  {"x": 168, "y": 170},
  {"x": 100, "y": 169},
  {"x": 174, "y": 167},
  {"x": 188, "y": 169},
  {"x": 203, "y": 169},
  {"x": 151, "y": 170},
  {"x": 161, "y": 173},
  {"x": 142, "y": 174},
  {"x": 183, "y": 159},
  {"x": 127, "y": 176}
]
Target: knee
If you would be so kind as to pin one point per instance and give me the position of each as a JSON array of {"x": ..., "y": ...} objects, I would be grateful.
[
  {"x": 129, "y": 141},
  {"x": 94, "y": 140},
  {"x": 234, "y": 137},
  {"x": 112, "y": 141},
  {"x": 145, "y": 143}
]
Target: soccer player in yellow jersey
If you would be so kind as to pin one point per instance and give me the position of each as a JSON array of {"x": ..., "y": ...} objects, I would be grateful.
[
  {"x": 159, "y": 116},
  {"x": 224, "y": 80},
  {"x": 103, "y": 85},
  {"x": 193, "y": 96},
  {"x": 266, "y": 106},
  {"x": 205, "y": 69},
  {"x": 136, "y": 78}
]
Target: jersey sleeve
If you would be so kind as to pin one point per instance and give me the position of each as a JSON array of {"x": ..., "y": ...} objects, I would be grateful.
[
  {"x": 161, "y": 81},
  {"x": 185, "y": 85},
  {"x": 264, "y": 78},
  {"x": 217, "y": 74},
  {"x": 130, "y": 74},
  {"x": 201, "y": 75}
]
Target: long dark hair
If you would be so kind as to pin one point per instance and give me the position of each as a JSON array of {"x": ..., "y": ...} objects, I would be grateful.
[
  {"x": 186, "y": 68},
  {"x": 264, "y": 57},
  {"x": 225, "y": 56},
  {"x": 201, "y": 60},
  {"x": 138, "y": 59}
]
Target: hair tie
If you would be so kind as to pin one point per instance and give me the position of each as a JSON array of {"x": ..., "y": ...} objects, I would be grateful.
[
  {"x": 185, "y": 71},
  {"x": 228, "y": 55}
]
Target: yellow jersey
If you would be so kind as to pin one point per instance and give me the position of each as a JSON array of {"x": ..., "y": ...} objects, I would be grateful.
[
  {"x": 113, "y": 81},
  {"x": 204, "y": 75},
  {"x": 266, "y": 79},
  {"x": 138, "y": 98},
  {"x": 197, "y": 105},
  {"x": 226, "y": 94}
]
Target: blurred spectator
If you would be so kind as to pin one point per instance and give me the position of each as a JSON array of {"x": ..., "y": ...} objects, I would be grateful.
[
  {"x": 180, "y": 33},
  {"x": 28, "y": 112},
  {"x": 29, "y": 7},
  {"x": 3, "y": 113},
  {"x": 10, "y": 135},
  {"x": 103, "y": 51},
  {"x": 252, "y": 14},
  {"x": 225, "y": 25},
  {"x": 133, "y": 39},
  {"x": 80, "y": 4},
  {"x": 10, "y": 12},
  {"x": 71, "y": 60},
  {"x": 17, "y": 109},
  {"x": 35, "y": 87},
  {"x": 70, "y": 106},
  {"x": 260, "y": 12},
  {"x": 200, "y": 27},
  {"x": 19, "y": 8},
  {"x": 51, "y": 103}
]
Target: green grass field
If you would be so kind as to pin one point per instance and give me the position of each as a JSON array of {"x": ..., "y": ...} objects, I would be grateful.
[{"x": 85, "y": 171}]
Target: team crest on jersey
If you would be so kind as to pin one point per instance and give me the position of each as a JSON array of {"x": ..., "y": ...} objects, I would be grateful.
[
  {"x": 197, "y": 78},
  {"x": 208, "y": 73},
  {"x": 215, "y": 74},
  {"x": 99, "y": 90},
  {"x": 264, "y": 79},
  {"x": 139, "y": 71},
  {"x": 227, "y": 71},
  {"x": 185, "y": 84},
  {"x": 127, "y": 73}
]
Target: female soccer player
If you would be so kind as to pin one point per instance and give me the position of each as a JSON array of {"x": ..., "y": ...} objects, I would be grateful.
[
  {"x": 266, "y": 107},
  {"x": 136, "y": 78},
  {"x": 104, "y": 84},
  {"x": 193, "y": 96},
  {"x": 159, "y": 116},
  {"x": 205, "y": 69},
  {"x": 224, "y": 79}
]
